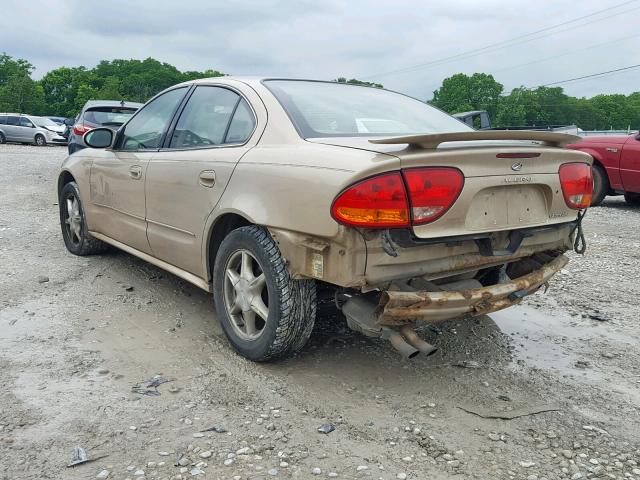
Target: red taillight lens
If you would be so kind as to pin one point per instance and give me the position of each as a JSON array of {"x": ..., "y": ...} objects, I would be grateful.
[
  {"x": 80, "y": 129},
  {"x": 577, "y": 184},
  {"x": 432, "y": 191},
  {"x": 376, "y": 202}
]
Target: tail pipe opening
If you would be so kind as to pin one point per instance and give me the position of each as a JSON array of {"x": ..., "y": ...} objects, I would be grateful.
[
  {"x": 415, "y": 341},
  {"x": 399, "y": 343}
]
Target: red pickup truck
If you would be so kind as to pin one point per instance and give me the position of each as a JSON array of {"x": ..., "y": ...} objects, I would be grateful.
[{"x": 616, "y": 166}]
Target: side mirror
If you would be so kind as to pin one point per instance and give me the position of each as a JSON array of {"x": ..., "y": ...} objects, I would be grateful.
[
  {"x": 69, "y": 121},
  {"x": 99, "y": 138}
]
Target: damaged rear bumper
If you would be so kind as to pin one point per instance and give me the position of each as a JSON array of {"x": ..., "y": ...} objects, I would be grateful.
[{"x": 398, "y": 308}]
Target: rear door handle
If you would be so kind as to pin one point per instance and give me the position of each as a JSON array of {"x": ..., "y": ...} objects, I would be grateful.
[
  {"x": 207, "y": 178},
  {"x": 135, "y": 172}
]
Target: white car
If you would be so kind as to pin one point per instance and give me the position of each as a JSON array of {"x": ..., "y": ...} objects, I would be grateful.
[{"x": 16, "y": 127}]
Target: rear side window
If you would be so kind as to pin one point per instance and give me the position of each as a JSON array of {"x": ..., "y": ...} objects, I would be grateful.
[
  {"x": 108, "y": 116},
  {"x": 3, "y": 119},
  {"x": 205, "y": 119},
  {"x": 242, "y": 124},
  {"x": 12, "y": 120}
]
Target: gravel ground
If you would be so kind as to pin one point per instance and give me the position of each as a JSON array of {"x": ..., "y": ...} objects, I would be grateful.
[{"x": 79, "y": 337}]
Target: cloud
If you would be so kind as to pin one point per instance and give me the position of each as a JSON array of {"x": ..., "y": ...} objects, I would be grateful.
[{"x": 326, "y": 39}]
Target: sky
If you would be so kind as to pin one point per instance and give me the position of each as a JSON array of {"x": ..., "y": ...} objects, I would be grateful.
[{"x": 399, "y": 43}]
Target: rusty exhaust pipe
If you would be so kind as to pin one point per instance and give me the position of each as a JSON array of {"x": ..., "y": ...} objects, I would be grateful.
[
  {"x": 399, "y": 343},
  {"x": 415, "y": 341}
]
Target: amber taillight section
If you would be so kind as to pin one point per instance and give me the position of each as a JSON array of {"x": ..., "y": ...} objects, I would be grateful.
[{"x": 377, "y": 202}]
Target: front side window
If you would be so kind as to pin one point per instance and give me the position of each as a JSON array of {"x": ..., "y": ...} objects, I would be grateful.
[
  {"x": 145, "y": 130},
  {"x": 205, "y": 119},
  {"x": 331, "y": 109},
  {"x": 25, "y": 122}
]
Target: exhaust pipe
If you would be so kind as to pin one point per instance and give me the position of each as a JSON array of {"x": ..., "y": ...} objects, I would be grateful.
[
  {"x": 406, "y": 350},
  {"x": 415, "y": 341}
]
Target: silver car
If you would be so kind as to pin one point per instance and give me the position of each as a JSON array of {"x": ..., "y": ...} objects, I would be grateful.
[{"x": 16, "y": 127}]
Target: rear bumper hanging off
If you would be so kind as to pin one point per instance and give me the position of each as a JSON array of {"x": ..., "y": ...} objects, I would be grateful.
[{"x": 399, "y": 308}]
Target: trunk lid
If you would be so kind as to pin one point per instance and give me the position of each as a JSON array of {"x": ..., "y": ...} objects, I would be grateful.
[{"x": 511, "y": 178}]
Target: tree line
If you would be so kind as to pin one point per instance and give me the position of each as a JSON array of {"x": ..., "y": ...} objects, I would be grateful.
[
  {"x": 63, "y": 91},
  {"x": 538, "y": 106}
]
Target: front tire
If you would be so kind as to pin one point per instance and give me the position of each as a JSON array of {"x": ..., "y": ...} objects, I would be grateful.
[
  {"x": 74, "y": 226},
  {"x": 632, "y": 199},
  {"x": 40, "y": 141},
  {"x": 264, "y": 313},
  {"x": 600, "y": 185}
]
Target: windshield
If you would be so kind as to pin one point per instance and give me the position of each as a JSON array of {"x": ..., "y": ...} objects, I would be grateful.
[
  {"x": 328, "y": 109},
  {"x": 114, "y": 116},
  {"x": 44, "y": 122}
]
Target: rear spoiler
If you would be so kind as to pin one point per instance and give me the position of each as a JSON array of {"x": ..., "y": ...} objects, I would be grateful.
[{"x": 433, "y": 140}]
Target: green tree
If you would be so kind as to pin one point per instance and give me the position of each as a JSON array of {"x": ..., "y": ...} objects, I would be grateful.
[
  {"x": 355, "y": 81},
  {"x": 110, "y": 89},
  {"x": 461, "y": 93},
  {"x": 10, "y": 67}
]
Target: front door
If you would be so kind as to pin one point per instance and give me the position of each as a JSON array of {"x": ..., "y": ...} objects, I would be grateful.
[
  {"x": 630, "y": 165},
  {"x": 118, "y": 176},
  {"x": 186, "y": 179},
  {"x": 26, "y": 129}
]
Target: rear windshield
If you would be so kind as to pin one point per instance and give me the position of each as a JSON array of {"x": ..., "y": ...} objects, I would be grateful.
[
  {"x": 109, "y": 116},
  {"x": 329, "y": 109}
]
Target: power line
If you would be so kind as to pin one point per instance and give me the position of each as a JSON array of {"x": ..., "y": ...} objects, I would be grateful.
[
  {"x": 592, "y": 75},
  {"x": 511, "y": 41},
  {"x": 570, "y": 52}
]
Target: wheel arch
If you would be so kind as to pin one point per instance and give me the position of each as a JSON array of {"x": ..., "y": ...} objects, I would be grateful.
[
  {"x": 221, "y": 226},
  {"x": 65, "y": 177}
]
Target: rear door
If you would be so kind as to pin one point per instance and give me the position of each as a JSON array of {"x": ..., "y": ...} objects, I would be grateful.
[
  {"x": 186, "y": 178},
  {"x": 630, "y": 165},
  {"x": 118, "y": 175}
]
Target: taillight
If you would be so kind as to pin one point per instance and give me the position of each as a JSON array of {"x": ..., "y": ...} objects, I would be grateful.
[
  {"x": 432, "y": 191},
  {"x": 394, "y": 200},
  {"x": 80, "y": 129},
  {"x": 377, "y": 202},
  {"x": 577, "y": 184}
]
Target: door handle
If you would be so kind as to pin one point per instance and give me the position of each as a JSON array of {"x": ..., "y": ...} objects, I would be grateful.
[
  {"x": 135, "y": 172},
  {"x": 207, "y": 178}
]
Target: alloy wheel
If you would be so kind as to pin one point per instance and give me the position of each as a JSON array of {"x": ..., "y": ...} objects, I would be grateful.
[
  {"x": 245, "y": 295},
  {"x": 73, "y": 220}
]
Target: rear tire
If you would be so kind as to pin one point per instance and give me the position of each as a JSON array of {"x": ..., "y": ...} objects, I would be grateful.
[
  {"x": 600, "y": 185},
  {"x": 264, "y": 313},
  {"x": 632, "y": 199},
  {"x": 3, "y": 139},
  {"x": 74, "y": 226},
  {"x": 39, "y": 140}
]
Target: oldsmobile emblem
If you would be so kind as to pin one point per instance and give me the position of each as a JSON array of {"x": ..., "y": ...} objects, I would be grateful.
[{"x": 516, "y": 167}]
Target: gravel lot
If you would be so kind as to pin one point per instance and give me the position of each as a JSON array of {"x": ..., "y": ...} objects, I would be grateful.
[{"x": 79, "y": 335}]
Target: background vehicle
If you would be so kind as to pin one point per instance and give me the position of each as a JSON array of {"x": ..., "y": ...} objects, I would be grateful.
[
  {"x": 616, "y": 166},
  {"x": 99, "y": 113},
  {"x": 15, "y": 127},
  {"x": 58, "y": 120},
  {"x": 420, "y": 222}
]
